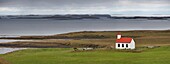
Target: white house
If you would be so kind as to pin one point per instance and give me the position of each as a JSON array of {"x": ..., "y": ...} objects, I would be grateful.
[{"x": 124, "y": 43}]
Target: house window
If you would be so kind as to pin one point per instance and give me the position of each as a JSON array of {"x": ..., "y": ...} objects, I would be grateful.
[
  {"x": 122, "y": 45},
  {"x": 126, "y": 45},
  {"x": 118, "y": 45}
]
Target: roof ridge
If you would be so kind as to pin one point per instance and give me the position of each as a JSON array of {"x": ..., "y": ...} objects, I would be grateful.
[{"x": 124, "y": 40}]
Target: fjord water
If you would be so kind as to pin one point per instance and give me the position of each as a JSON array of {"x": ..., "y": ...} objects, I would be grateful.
[{"x": 52, "y": 26}]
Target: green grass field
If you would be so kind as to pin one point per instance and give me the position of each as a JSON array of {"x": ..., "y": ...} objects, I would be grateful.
[{"x": 159, "y": 55}]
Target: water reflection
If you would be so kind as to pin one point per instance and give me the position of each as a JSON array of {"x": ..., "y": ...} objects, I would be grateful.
[
  {"x": 8, "y": 36},
  {"x": 6, "y": 40}
]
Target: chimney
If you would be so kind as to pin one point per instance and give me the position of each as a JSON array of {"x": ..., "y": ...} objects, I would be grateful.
[{"x": 118, "y": 36}]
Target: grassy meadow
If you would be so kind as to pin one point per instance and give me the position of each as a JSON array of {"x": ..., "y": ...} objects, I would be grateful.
[
  {"x": 97, "y": 39},
  {"x": 57, "y": 49}
]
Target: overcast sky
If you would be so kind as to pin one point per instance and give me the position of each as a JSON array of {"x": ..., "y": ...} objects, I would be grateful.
[{"x": 125, "y": 7}]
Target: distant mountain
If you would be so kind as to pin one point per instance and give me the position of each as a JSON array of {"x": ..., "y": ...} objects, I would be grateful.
[{"x": 85, "y": 16}]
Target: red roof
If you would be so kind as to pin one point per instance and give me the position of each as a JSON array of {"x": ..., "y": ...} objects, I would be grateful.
[{"x": 124, "y": 40}]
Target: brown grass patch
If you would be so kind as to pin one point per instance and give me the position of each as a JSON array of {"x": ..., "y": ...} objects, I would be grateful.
[{"x": 2, "y": 61}]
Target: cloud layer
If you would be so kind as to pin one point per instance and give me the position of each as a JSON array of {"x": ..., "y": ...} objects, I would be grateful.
[{"x": 127, "y": 7}]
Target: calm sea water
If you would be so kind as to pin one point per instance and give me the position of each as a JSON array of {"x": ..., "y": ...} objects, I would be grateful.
[{"x": 50, "y": 26}]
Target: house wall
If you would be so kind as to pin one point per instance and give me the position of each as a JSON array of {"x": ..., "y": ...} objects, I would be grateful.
[{"x": 129, "y": 46}]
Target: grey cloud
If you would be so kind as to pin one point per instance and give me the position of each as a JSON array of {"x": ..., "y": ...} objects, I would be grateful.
[
  {"x": 54, "y": 3},
  {"x": 85, "y": 6},
  {"x": 72, "y": 3}
]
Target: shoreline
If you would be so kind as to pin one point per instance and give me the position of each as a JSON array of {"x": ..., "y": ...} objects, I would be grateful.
[
  {"x": 17, "y": 35},
  {"x": 5, "y": 50}
]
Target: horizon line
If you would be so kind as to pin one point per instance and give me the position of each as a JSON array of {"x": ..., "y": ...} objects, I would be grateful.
[{"x": 93, "y": 14}]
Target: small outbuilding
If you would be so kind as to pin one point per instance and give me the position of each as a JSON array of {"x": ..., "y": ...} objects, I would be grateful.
[{"x": 124, "y": 43}]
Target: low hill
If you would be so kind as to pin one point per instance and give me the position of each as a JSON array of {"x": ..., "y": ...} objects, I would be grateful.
[{"x": 93, "y": 39}]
